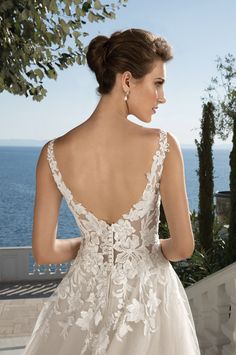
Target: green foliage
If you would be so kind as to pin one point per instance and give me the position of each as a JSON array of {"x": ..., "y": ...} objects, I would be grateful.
[
  {"x": 39, "y": 37},
  {"x": 223, "y": 92},
  {"x": 202, "y": 263}
]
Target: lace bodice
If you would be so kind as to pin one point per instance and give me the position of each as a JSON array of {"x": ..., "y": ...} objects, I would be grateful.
[
  {"x": 117, "y": 266},
  {"x": 142, "y": 218}
]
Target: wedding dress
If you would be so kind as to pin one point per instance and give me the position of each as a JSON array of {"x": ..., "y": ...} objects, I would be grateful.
[{"x": 121, "y": 296}]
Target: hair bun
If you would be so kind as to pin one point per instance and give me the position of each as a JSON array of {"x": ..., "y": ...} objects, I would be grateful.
[
  {"x": 96, "y": 54},
  {"x": 134, "y": 50}
]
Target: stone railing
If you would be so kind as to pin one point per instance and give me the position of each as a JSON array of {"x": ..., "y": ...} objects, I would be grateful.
[
  {"x": 17, "y": 264},
  {"x": 213, "y": 304}
]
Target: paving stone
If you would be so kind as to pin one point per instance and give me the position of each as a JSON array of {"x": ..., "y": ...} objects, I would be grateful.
[
  {"x": 6, "y": 330},
  {"x": 1, "y": 308},
  {"x": 20, "y": 305},
  {"x": 21, "y": 329},
  {"x": 15, "y": 311},
  {"x": 18, "y": 318}
]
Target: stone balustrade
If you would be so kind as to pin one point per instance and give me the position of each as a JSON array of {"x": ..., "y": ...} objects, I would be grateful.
[
  {"x": 213, "y": 303},
  {"x": 17, "y": 264}
]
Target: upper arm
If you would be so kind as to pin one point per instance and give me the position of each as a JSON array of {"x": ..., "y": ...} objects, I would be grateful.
[
  {"x": 174, "y": 198},
  {"x": 46, "y": 208}
]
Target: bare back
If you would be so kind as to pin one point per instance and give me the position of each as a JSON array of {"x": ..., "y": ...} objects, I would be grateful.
[{"x": 106, "y": 172}]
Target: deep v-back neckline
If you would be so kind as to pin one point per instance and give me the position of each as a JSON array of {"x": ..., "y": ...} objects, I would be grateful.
[{"x": 86, "y": 211}]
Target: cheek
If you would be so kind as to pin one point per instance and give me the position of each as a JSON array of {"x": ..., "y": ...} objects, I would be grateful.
[{"x": 153, "y": 91}]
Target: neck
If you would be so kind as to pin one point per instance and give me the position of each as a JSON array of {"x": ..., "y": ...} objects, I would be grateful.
[{"x": 110, "y": 111}]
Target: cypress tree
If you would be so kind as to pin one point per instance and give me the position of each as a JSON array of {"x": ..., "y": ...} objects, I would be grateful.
[
  {"x": 206, "y": 178},
  {"x": 232, "y": 223}
]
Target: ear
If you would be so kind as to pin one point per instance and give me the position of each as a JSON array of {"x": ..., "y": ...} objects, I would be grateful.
[{"x": 126, "y": 79}]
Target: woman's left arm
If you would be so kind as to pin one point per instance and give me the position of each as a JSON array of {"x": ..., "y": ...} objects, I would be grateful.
[{"x": 181, "y": 243}]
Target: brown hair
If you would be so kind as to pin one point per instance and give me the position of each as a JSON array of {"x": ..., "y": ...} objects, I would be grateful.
[{"x": 134, "y": 50}]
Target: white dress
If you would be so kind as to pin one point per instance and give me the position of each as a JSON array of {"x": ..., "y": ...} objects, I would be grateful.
[{"x": 121, "y": 296}]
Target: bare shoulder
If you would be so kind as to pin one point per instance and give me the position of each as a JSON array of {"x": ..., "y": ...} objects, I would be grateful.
[
  {"x": 42, "y": 167},
  {"x": 174, "y": 148},
  {"x": 173, "y": 163},
  {"x": 173, "y": 141},
  {"x": 61, "y": 145}
]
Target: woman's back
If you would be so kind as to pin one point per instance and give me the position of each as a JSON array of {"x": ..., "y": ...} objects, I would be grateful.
[{"x": 106, "y": 170}]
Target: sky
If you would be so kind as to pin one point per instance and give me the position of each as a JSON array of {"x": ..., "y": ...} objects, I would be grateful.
[{"x": 198, "y": 31}]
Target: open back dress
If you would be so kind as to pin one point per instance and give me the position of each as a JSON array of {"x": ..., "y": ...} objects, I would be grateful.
[{"x": 121, "y": 296}]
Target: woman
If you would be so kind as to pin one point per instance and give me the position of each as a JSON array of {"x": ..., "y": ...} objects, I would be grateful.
[{"x": 121, "y": 294}]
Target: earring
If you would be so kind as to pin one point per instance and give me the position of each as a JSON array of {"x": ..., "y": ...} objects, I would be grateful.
[{"x": 126, "y": 96}]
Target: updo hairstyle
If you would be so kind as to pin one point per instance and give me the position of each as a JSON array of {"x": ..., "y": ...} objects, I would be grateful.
[{"x": 133, "y": 50}]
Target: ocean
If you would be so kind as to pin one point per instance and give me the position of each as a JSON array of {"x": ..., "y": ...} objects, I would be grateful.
[{"x": 17, "y": 191}]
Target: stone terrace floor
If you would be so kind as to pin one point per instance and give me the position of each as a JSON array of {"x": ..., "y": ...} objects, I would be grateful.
[{"x": 20, "y": 304}]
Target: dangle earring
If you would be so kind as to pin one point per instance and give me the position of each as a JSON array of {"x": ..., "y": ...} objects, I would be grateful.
[
  {"x": 126, "y": 101},
  {"x": 126, "y": 96}
]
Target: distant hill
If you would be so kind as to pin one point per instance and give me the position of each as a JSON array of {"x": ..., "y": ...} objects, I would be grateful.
[{"x": 40, "y": 143}]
